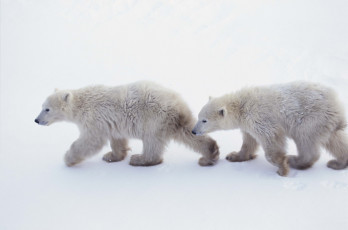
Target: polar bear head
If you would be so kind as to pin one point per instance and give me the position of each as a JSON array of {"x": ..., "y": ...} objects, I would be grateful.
[
  {"x": 55, "y": 108},
  {"x": 214, "y": 116}
]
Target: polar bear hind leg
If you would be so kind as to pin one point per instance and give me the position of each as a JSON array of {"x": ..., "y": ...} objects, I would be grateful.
[
  {"x": 153, "y": 148},
  {"x": 204, "y": 145},
  {"x": 337, "y": 145},
  {"x": 308, "y": 154}
]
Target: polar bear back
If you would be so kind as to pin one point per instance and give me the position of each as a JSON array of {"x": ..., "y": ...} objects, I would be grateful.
[
  {"x": 130, "y": 110},
  {"x": 298, "y": 108},
  {"x": 312, "y": 104}
]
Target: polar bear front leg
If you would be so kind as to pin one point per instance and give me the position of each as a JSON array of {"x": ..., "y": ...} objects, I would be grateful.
[
  {"x": 83, "y": 148},
  {"x": 275, "y": 154},
  {"x": 152, "y": 153},
  {"x": 119, "y": 150},
  {"x": 247, "y": 152}
]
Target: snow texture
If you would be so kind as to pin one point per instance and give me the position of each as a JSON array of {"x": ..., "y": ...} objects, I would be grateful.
[{"x": 197, "y": 48}]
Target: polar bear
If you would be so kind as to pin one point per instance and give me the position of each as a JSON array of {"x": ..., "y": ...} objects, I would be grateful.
[
  {"x": 308, "y": 113},
  {"x": 141, "y": 110}
]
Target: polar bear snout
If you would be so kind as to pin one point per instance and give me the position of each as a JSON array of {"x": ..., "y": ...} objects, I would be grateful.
[
  {"x": 196, "y": 131},
  {"x": 40, "y": 122}
]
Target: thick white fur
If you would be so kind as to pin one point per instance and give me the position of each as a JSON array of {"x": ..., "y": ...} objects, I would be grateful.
[
  {"x": 308, "y": 113},
  {"x": 141, "y": 110}
]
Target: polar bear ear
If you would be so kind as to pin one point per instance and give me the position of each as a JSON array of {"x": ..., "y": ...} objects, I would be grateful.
[
  {"x": 67, "y": 97},
  {"x": 222, "y": 111},
  {"x": 56, "y": 90},
  {"x": 210, "y": 97}
]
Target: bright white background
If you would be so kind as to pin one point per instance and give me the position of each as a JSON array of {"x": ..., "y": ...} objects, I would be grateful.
[{"x": 198, "y": 48}]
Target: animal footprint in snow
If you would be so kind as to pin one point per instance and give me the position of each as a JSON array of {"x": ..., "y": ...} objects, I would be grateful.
[
  {"x": 293, "y": 185},
  {"x": 165, "y": 169},
  {"x": 335, "y": 185}
]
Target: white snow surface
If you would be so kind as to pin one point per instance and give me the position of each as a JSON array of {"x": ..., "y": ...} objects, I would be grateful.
[{"x": 198, "y": 48}]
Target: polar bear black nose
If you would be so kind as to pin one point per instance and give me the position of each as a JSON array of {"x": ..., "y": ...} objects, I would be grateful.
[
  {"x": 37, "y": 121},
  {"x": 193, "y": 132}
]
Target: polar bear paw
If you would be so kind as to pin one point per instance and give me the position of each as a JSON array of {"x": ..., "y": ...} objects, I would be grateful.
[
  {"x": 237, "y": 157},
  {"x": 141, "y": 160},
  {"x": 71, "y": 160},
  {"x": 335, "y": 164},
  {"x": 206, "y": 162},
  {"x": 111, "y": 157}
]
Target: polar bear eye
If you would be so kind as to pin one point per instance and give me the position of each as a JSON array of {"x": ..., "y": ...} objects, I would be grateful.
[
  {"x": 47, "y": 110},
  {"x": 204, "y": 121}
]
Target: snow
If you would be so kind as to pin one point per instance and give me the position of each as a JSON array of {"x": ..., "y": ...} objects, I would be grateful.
[{"x": 198, "y": 48}]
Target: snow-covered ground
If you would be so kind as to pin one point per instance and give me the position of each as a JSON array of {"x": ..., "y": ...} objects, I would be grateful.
[{"x": 198, "y": 48}]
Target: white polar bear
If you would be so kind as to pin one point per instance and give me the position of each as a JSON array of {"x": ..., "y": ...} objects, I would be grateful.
[
  {"x": 308, "y": 113},
  {"x": 141, "y": 110}
]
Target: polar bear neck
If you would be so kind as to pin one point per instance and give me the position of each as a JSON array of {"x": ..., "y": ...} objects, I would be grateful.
[
  {"x": 234, "y": 109},
  {"x": 95, "y": 104}
]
